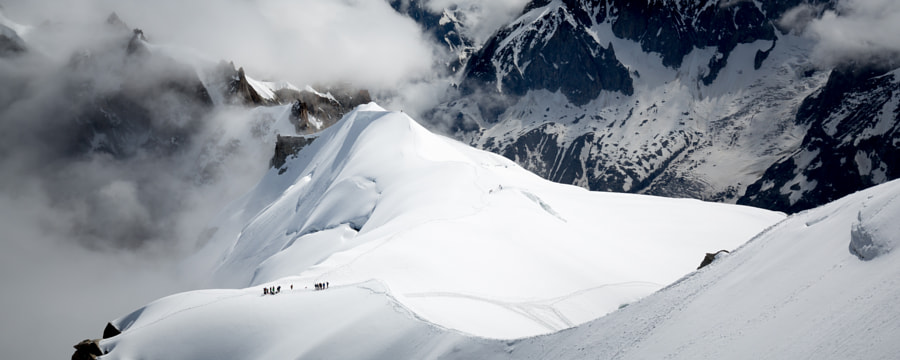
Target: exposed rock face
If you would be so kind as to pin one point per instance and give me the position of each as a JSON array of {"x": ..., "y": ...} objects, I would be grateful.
[
  {"x": 10, "y": 42},
  {"x": 445, "y": 27},
  {"x": 554, "y": 50},
  {"x": 577, "y": 161},
  {"x": 244, "y": 91},
  {"x": 87, "y": 350},
  {"x": 114, "y": 20},
  {"x": 312, "y": 112},
  {"x": 852, "y": 142},
  {"x": 300, "y": 115},
  {"x": 236, "y": 88},
  {"x": 90, "y": 349},
  {"x": 553, "y": 47},
  {"x": 674, "y": 31},
  {"x": 137, "y": 42},
  {"x": 159, "y": 115},
  {"x": 287, "y": 146},
  {"x": 819, "y": 137},
  {"x": 710, "y": 257},
  {"x": 523, "y": 57},
  {"x": 110, "y": 330}
]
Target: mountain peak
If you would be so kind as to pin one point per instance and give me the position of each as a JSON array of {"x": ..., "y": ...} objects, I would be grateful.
[{"x": 377, "y": 196}]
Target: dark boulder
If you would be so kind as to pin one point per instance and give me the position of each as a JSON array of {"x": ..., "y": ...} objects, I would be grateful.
[
  {"x": 710, "y": 257},
  {"x": 110, "y": 331},
  {"x": 87, "y": 350}
]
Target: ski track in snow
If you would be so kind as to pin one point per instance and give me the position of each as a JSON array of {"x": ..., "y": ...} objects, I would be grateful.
[{"x": 531, "y": 309}]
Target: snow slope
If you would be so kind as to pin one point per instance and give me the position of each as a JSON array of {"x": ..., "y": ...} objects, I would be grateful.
[
  {"x": 797, "y": 290},
  {"x": 459, "y": 237}
]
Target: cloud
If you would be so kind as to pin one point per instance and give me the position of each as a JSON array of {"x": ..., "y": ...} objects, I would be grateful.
[
  {"x": 94, "y": 224},
  {"x": 62, "y": 291},
  {"x": 798, "y": 18},
  {"x": 104, "y": 186},
  {"x": 861, "y": 31},
  {"x": 729, "y": 3},
  {"x": 305, "y": 41},
  {"x": 483, "y": 18}
]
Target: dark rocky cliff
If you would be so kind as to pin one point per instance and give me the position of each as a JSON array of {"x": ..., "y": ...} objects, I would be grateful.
[{"x": 853, "y": 143}]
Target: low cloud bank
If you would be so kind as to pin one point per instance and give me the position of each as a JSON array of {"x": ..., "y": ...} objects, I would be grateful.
[{"x": 855, "y": 31}]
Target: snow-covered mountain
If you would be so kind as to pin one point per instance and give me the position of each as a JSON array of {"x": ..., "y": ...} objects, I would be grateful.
[
  {"x": 419, "y": 236},
  {"x": 446, "y": 27},
  {"x": 123, "y": 94},
  {"x": 462, "y": 238},
  {"x": 381, "y": 198},
  {"x": 717, "y": 100},
  {"x": 118, "y": 111},
  {"x": 120, "y": 148},
  {"x": 851, "y": 143}
]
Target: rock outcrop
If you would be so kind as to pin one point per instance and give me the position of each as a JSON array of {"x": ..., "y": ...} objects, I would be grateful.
[
  {"x": 10, "y": 42},
  {"x": 554, "y": 52},
  {"x": 287, "y": 146},
  {"x": 313, "y": 111},
  {"x": 110, "y": 330},
  {"x": 852, "y": 143},
  {"x": 710, "y": 257},
  {"x": 87, "y": 350}
]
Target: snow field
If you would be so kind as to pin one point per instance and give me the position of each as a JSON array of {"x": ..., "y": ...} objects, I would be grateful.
[
  {"x": 794, "y": 291},
  {"x": 425, "y": 280},
  {"x": 467, "y": 239}
]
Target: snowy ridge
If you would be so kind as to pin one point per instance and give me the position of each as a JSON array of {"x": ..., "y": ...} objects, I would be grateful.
[
  {"x": 463, "y": 239},
  {"x": 820, "y": 283},
  {"x": 797, "y": 288},
  {"x": 267, "y": 89}
]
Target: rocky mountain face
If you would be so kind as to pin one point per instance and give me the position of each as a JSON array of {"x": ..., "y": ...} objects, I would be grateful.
[
  {"x": 123, "y": 100},
  {"x": 311, "y": 110},
  {"x": 687, "y": 98},
  {"x": 552, "y": 51},
  {"x": 445, "y": 27},
  {"x": 122, "y": 132},
  {"x": 10, "y": 42},
  {"x": 142, "y": 102},
  {"x": 851, "y": 144},
  {"x": 550, "y": 45}
]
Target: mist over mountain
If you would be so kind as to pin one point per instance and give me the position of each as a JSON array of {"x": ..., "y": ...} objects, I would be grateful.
[
  {"x": 117, "y": 149},
  {"x": 127, "y": 126},
  {"x": 686, "y": 98},
  {"x": 344, "y": 254}
]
